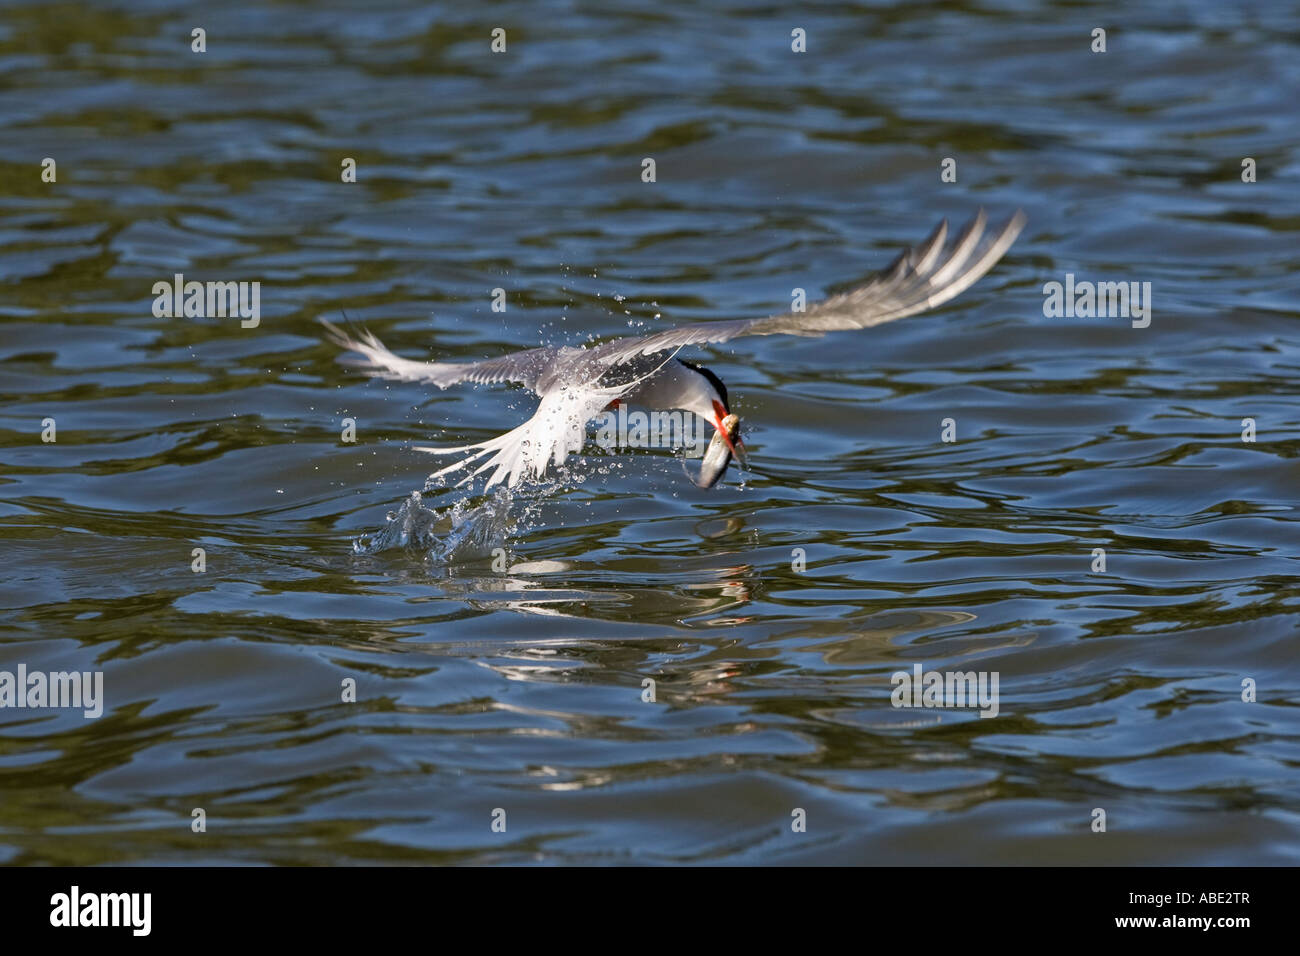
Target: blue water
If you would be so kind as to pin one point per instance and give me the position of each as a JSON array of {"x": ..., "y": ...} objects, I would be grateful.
[{"x": 518, "y": 687}]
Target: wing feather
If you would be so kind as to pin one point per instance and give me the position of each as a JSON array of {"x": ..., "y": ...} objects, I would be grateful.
[
  {"x": 524, "y": 367},
  {"x": 919, "y": 279}
]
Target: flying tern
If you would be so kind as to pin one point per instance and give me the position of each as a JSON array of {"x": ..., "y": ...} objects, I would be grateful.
[{"x": 575, "y": 384}]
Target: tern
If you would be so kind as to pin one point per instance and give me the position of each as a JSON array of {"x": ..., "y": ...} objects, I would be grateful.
[{"x": 575, "y": 384}]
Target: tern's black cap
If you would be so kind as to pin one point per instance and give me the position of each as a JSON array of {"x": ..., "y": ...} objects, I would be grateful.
[{"x": 717, "y": 382}]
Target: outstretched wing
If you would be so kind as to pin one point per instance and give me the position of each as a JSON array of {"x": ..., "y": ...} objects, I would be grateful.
[
  {"x": 524, "y": 367},
  {"x": 919, "y": 279}
]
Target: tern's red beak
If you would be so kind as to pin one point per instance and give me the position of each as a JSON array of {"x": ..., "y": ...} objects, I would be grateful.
[
  {"x": 726, "y": 435},
  {"x": 729, "y": 430},
  {"x": 727, "y": 425}
]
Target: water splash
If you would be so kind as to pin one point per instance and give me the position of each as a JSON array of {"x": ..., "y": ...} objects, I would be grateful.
[
  {"x": 458, "y": 534},
  {"x": 470, "y": 530}
]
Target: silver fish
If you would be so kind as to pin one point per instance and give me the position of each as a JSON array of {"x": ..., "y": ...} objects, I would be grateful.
[{"x": 718, "y": 455}]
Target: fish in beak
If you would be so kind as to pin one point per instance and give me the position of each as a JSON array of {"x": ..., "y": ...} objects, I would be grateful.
[{"x": 726, "y": 443}]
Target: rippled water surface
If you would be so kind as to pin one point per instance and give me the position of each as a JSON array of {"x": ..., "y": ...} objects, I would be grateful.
[{"x": 480, "y": 689}]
